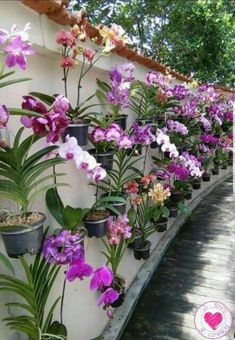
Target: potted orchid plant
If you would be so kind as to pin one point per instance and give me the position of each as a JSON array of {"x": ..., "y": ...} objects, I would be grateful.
[
  {"x": 116, "y": 94},
  {"x": 115, "y": 243},
  {"x": 71, "y": 48},
  {"x": 22, "y": 182}
]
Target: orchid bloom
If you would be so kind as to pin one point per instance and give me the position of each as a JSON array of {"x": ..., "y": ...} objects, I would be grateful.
[
  {"x": 102, "y": 277},
  {"x": 17, "y": 51},
  {"x": 70, "y": 149},
  {"x": 4, "y": 116}
]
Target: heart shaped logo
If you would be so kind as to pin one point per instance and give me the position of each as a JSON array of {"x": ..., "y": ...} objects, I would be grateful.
[{"x": 213, "y": 320}]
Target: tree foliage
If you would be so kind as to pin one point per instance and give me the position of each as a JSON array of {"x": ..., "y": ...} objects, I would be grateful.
[{"x": 192, "y": 36}]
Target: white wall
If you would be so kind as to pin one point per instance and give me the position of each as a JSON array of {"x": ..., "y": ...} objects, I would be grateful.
[{"x": 81, "y": 316}]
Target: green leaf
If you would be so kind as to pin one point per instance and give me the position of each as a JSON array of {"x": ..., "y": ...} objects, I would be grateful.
[
  {"x": 55, "y": 205},
  {"x": 7, "y": 263},
  {"x": 13, "y": 81},
  {"x": 23, "y": 112},
  {"x": 44, "y": 97},
  {"x": 185, "y": 210}
]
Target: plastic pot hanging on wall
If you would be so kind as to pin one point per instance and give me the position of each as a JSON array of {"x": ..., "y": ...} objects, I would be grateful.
[
  {"x": 104, "y": 158},
  {"x": 79, "y": 131},
  {"x": 25, "y": 240},
  {"x": 96, "y": 223}
]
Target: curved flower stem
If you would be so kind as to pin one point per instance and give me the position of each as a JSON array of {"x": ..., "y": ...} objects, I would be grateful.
[{"x": 62, "y": 302}]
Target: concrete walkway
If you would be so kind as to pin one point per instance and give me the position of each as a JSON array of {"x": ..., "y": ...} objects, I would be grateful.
[{"x": 198, "y": 267}]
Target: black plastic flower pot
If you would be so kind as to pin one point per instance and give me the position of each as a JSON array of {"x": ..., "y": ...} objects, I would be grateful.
[
  {"x": 121, "y": 207},
  {"x": 154, "y": 145},
  {"x": 120, "y": 286},
  {"x": 173, "y": 212},
  {"x": 96, "y": 223},
  {"x": 167, "y": 154},
  {"x": 79, "y": 131},
  {"x": 24, "y": 241},
  {"x": 104, "y": 158},
  {"x": 230, "y": 162},
  {"x": 188, "y": 194},
  {"x": 206, "y": 177},
  {"x": 177, "y": 195},
  {"x": 143, "y": 252},
  {"x": 161, "y": 224},
  {"x": 224, "y": 166},
  {"x": 215, "y": 171},
  {"x": 138, "y": 241},
  {"x": 121, "y": 121},
  {"x": 196, "y": 185}
]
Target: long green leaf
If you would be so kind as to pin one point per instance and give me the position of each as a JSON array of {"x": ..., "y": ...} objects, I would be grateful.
[{"x": 13, "y": 81}]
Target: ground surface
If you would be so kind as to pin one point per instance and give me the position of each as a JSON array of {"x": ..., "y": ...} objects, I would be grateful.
[{"x": 198, "y": 267}]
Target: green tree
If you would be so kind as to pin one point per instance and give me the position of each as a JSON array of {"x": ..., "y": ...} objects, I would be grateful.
[{"x": 192, "y": 36}]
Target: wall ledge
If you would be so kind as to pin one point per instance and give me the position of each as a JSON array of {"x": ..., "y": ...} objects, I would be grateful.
[{"x": 116, "y": 326}]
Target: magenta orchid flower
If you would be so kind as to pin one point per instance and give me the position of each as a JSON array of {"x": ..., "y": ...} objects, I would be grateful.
[
  {"x": 4, "y": 116},
  {"x": 78, "y": 270},
  {"x": 108, "y": 297},
  {"x": 17, "y": 51},
  {"x": 102, "y": 277}
]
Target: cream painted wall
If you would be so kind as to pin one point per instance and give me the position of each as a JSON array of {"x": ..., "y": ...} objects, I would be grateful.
[{"x": 83, "y": 319}]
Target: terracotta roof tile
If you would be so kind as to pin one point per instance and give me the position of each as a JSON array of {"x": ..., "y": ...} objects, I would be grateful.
[{"x": 56, "y": 11}]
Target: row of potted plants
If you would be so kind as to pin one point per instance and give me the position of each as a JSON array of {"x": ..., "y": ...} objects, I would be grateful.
[{"x": 185, "y": 128}]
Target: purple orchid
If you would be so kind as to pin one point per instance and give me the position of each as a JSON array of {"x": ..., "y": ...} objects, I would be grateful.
[
  {"x": 142, "y": 134},
  {"x": 102, "y": 277},
  {"x": 63, "y": 248},
  {"x": 179, "y": 170},
  {"x": 78, "y": 270},
  {"x": 109, "y": 296},
  {"x": 17, "y": 51},
  {"x": 4, "y": 116},
  {"x": 173, "y": 125},
  {"x": 52, "y": 123}
]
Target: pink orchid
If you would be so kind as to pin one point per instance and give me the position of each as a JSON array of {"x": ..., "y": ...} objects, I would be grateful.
[
  {"x": 97, "y": 174},
  {"x": 85, "y": 161},
  {"x": 70, "y": 149},
  {"x": 17, "y": 51},
  {"x": 4, "y": 116},
  {"x": 65, "y": 38},
  {"x": 89, "y": 54},
  {"x": 108, "y": 297},
  {"x": 78, "y": 270},
  {"x": 102, "y": 277}
]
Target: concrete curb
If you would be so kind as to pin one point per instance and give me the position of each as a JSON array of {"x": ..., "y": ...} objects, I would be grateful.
[{"x": 116, "y": 326}]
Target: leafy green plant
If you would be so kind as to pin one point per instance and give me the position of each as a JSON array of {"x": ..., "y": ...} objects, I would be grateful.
[
  {"x": 68, "y": 217},
  {"x": 33, "y": 293},
  {"x": 22, "y": 172},
  {"x": 124, "y": 172}
]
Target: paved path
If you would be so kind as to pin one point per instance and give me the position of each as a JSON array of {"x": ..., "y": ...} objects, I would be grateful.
[{"x": 198, "y": 267}]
